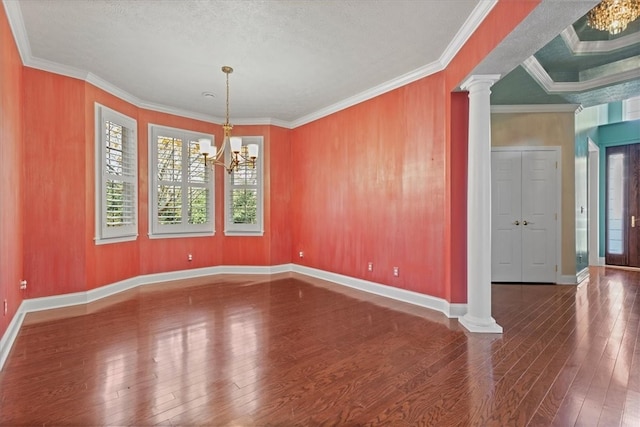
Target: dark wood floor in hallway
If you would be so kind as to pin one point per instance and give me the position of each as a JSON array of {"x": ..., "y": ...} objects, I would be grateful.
[{"x": 288, "y": 350}]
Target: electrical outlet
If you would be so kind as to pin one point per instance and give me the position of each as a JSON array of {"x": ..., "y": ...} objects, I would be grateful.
[
  {"x": 23, "y": 285},
  {"x": 301, "y": 254},
  {"x": 370, "y": 266},
  {"x": 189, "y": 257},
  {"x": 396, "y": 271}
]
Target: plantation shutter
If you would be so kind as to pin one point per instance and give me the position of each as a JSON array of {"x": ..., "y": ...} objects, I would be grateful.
[
  {"x": 243, "y": 195},
  {"x": 118, "y": 181},
  {"x": 183, "y": 187}
]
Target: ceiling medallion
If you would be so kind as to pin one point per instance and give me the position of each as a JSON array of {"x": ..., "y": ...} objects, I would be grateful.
[{"x": 613, "y": 15}]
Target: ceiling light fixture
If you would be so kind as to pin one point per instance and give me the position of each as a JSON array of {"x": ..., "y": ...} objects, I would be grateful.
[
  {"x": 240, "y": 154},
  {"x": 613, "y": 15}
]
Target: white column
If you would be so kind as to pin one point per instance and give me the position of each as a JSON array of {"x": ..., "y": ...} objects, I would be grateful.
[{"x": 478, "y": 317}]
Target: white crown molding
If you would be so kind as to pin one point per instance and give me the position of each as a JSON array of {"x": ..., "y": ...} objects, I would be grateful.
[
  {"x": 535, "y": 108},
  {"x": 579, "y": 47},
  {"x": 14, "y": 16},
  {"x": 474, "y": 20},
  {"x": 262, "y": 121},
  {"x": 385, "y": 87},
  {"x": 537, "y": 71},
  {"x": 476, "y": 17}
]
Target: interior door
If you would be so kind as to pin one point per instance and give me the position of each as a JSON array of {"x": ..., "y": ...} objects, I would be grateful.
[
  {"x": 622, "y": 213},
  {"x": 539, "y": 216},
  {"x": 523, "y": 216},
  {"x": 506, "y": 216}
]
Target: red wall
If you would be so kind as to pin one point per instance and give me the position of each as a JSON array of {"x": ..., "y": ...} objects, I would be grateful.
[
  {"x": 60, "y": 254},
  {"x": 382, "y": 181},
  {"x": 11, "y": 159}
]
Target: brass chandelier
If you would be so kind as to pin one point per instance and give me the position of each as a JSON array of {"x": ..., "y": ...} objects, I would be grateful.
[
  {"x": 240, "y": 155},
  {"x": 613, "y": 15}
]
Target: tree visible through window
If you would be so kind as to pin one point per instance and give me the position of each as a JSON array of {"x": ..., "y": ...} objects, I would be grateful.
[
  {"x": 116, "y": 176},
  {"x": 244, "y": 195},
  {"x": 183, "y": 186}
]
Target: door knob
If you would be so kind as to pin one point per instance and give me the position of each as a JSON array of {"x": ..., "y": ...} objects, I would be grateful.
[
  {"x": 525, "y": 222},
  {"x": 517, "y": 222},
  {"x": 633, "y": 221}
]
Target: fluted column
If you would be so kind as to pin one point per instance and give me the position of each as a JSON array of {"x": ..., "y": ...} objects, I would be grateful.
[{"x": 478, "y": 317}]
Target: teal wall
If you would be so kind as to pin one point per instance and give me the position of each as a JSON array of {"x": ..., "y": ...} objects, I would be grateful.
[{"x": 612, "y": 135}]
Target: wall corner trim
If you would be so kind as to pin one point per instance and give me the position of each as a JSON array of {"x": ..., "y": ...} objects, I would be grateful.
[{"x": 66, "y": 300}]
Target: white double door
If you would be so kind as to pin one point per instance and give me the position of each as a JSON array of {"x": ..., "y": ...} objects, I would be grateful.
[{"x": 524, "y": 215}]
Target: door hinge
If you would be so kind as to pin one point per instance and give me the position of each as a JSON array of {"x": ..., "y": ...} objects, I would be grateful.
[
  {"x": 556, "y": 165},
  {"x": 556, "y": 268}
]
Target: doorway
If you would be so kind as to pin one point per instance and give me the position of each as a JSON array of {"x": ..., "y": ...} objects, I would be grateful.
[
  {"x": 524, "y": 218},
  {"x": 622, "y": 210}
]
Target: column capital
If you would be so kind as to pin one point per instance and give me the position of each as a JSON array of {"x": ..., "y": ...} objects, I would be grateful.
[{"x": 481, "y": 80}]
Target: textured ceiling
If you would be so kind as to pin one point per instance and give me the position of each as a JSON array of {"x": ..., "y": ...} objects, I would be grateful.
[
  {"x": 291, "y": 58},
  {"x": 294, "y": 60}
]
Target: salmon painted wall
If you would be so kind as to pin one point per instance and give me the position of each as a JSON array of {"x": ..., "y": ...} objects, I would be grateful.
[
  {"x": 379, "y": 181},
  {"x": 54, "y": 179},
  {"x": 459, "y": 150},
  {"x": 369, "y": 187},
  {"x": 60, "y": 254},
  {"x": 374, "y": 182},
  {"x": 11, "y": 159}
]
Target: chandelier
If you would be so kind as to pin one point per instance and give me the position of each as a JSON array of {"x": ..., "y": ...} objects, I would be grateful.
[
  {"x": 613, "y": 15},
  {"x": 240, "y": 155}
]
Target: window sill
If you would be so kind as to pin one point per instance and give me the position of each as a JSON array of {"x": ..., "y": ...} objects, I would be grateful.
[
  {"x": 240, "y": 233},
  {"x": 107, "y": 240},
  {"x": 179, "y": 235}
]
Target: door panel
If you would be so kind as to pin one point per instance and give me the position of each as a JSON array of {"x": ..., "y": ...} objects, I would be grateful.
[
  {"x": 616, "y": 206},
  {"x": 523, "y": 216},
  {"x": 538, "y": 216},
  {"x": 633, "y": 213},
  {"x": 506, "y": 257}
]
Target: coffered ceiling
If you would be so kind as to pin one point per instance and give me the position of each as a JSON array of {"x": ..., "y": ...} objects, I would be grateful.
[{"x": 581, "y": 65}]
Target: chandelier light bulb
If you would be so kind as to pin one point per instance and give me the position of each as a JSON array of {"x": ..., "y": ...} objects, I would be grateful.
[{"x": 613, "y": 15}]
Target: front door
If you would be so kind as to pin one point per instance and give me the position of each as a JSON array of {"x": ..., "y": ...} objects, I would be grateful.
[{"x": 622, "y": 214}]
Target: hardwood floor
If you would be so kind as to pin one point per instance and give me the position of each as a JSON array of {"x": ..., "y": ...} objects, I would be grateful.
[{"x": 289, "y": 350}]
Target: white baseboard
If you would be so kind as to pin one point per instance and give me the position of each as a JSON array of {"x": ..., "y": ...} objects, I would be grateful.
[
  {"x": 574, "y": 280},
  {"x": 566, "y": 279},
  {"x": 582, "y": 275},
  {"x": 10, "y": 335},
  {"x": 415, "y": 298},
  {"x": 67, "y": 300}
]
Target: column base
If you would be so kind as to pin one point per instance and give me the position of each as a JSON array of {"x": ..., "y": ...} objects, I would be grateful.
[{"x": 482, "y": 326}]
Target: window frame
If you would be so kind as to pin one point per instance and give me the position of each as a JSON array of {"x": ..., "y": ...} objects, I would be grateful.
[
  {"x": 104, "y": 234},
  {"x": 231, "y": 229},
  {"x": 160, "y": 231}
]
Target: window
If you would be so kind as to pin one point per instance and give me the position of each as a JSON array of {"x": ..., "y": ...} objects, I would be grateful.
[
  {"x": 243, "y": 195},
  {"x": 180, "y": 185},
  {"x": 631, "y": 109},
  {"x": 116, "y": 176}
]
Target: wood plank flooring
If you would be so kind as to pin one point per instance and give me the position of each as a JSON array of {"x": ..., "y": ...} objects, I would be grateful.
[{"x": 289, "y": 350}]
